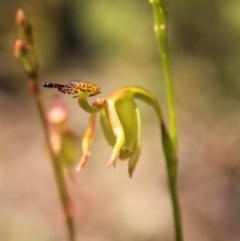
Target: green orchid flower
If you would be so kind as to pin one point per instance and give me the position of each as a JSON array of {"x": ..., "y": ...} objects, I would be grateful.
[
  {"x": 119, "y": 117},
  {"x": 120, "y": 120}
]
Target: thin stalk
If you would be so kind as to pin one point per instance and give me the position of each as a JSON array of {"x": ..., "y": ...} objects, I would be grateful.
[
  {"x": 172, "y": 164},
  {"x": 58, "y": 171},
  {"x": 170, "y": 149},
  {"x": 24, "y": 53},
  {"x": 170, "y": 155},
  {"x": 175, "y": 205},
  {"x": 160, "y": 28}
]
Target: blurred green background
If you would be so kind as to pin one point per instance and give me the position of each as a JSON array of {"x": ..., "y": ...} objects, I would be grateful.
[{"x": 112, "y": 43}]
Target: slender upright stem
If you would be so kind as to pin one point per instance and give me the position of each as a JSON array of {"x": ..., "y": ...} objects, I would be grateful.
[
  {"x": 160, "y": 28},
  {"x": 172, "y": 166},
  {"x": 24, "y": 53},
  {"x": 57, "y": 167},
  {"x": 170, "y": 149},
  {"x": 175, "y": 205}
]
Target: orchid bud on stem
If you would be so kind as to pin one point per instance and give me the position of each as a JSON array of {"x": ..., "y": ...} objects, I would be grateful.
[{"x": 24, "y": 52}]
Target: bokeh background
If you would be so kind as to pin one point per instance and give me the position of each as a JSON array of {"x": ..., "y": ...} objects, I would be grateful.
[{"x": 112, "y": 43}]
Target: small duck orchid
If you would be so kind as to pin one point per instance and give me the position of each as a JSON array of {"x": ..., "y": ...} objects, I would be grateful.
[{"x": 119, "y": 118}]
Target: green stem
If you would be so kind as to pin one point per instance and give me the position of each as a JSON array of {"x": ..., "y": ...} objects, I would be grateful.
[
  {"x": 147, "y": 97},
  {"x": 160, "y": 28},
  {"x": 57, "y": 167},
  {"x": 24, "y": 53},
  {"x": 170, "y": 155},
  {"x": 170, "y": 141},
  {"x": 175, "y": 204},
  {"x": 172, "y": 165}
]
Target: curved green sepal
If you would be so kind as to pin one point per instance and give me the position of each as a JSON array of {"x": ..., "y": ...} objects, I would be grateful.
[{"x": 87, "y": 142}]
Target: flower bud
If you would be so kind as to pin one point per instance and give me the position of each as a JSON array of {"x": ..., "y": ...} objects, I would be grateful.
[{"x": 24, "y": 27}]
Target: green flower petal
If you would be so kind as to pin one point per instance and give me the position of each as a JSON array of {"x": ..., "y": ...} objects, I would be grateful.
[
  {"x": 107, "y": 129},
  {"x": 137, "y": 148},
  {"x": 117, "y": 130},
  {"x": 128, "y": 115},
  {"x": 87, "y": 142}
]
